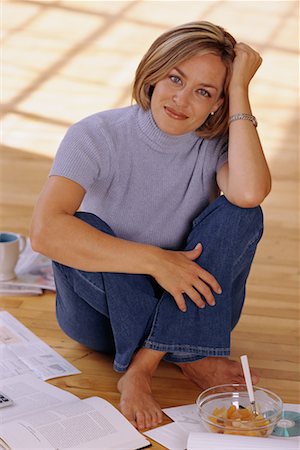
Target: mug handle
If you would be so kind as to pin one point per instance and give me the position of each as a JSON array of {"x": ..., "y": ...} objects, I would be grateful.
[{"x": 22, "y": 242}]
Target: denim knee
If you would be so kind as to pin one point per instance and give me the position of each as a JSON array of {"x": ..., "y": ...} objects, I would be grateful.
[
  {"x": 224, "y": 219},
  {"x": 250, "y": 219},
  {"x": 221, "y": 204}
]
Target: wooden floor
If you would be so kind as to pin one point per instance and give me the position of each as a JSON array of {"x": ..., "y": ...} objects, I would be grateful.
[{"x": 64, "y": 60}]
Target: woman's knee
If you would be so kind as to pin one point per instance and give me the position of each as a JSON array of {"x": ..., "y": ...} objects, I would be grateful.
[
  {"x": 249, "y": 217},
  {"x": 222, "y": 217}
]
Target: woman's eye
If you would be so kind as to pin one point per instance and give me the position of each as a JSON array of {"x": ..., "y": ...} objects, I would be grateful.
[
  {"x": 175, "y": 79},
  {"x": 204, "y": 92}
]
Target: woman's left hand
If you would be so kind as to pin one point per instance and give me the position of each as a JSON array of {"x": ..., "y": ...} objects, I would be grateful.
[{"x": 245, "y": 65}]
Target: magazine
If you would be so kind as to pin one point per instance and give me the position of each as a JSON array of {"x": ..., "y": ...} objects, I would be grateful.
[{"x": 34, "y": 274}]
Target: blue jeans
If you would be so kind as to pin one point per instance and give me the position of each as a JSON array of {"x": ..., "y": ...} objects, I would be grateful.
[{"x": 119, "y": 313}]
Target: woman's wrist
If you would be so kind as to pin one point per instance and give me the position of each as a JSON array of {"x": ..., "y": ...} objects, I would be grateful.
[
  {"x": 238, "y": 91},
  {"x": 152, "y": 259},
  {"x": 239, "y": 101}
]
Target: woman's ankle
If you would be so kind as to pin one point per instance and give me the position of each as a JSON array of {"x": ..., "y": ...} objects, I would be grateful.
[{"x": 146, "y": 360}]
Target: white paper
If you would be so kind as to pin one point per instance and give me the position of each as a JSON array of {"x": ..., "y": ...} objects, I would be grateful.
[
  {"x": 30, "y": 395},
  {"x": 46, "y": 417},
  {"x": 172, "y": 436},
  {"x": 11, "y": 288},
  {"x": 215, "y": 441},
  {"x": 186, "y": 421},
  {"x": 22, "y": 352},
  {"x": 186, "y": 416}
]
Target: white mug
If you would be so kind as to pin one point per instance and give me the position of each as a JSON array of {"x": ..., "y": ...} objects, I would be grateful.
[{"x": 11, "y": 246}]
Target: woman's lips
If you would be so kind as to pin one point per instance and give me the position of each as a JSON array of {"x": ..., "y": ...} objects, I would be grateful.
[{"x": 174, "y": 114}]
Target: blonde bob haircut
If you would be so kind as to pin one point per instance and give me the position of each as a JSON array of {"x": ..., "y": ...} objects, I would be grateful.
[{"x": 178, "y": 45}]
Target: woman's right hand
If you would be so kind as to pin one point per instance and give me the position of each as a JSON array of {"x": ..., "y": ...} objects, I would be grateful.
[{"x": 178, "y": 274}]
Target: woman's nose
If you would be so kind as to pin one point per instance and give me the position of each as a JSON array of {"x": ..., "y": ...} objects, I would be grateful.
[{"x": 181, "y": 97}]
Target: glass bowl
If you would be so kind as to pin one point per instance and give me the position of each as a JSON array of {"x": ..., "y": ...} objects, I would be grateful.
[{"x": 226, "y": 409}]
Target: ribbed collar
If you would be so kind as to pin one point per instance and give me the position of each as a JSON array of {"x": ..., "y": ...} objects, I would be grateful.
[{"x": 159, "y": 140}]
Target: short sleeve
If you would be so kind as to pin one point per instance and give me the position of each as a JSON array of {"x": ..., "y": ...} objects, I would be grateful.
[{"x": 82, "y": 155}]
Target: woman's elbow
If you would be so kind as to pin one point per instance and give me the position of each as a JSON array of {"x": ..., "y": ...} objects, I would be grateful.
[
  {"x": 38, "y": 236},
  {"x": 251, "y": 199}
]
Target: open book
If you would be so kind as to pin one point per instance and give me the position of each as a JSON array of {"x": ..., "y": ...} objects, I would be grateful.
[{"x": 48, "y": 418}]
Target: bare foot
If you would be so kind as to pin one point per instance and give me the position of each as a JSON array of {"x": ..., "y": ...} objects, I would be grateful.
[
  {"x": 211, "y": 371},
  {"x": 137, "y": 402}
]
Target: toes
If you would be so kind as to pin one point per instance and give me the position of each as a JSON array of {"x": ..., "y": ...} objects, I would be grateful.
[
  {"x": 141, "y": 420},
  {"x": 133, "y": 422},
  {"x": 145, "y": 419},
  {"x": 148, "y": 420},
  {"x": 128, "y": 413},
  {"x": 158, "y": 417}
]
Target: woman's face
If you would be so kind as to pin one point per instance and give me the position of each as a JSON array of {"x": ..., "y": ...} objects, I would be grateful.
[{"x": 183, "y": 100}]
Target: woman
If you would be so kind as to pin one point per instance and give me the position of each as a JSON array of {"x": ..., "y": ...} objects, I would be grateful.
[{"x": 155, "y": 264}]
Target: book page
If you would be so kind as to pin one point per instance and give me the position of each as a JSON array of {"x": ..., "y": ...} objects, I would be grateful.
[
  {"x": 123, "y": 435},
  {"x": 80, "y": 424}
]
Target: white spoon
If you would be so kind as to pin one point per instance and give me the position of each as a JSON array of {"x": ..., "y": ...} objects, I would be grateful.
[{"x": 247, "y": 375}]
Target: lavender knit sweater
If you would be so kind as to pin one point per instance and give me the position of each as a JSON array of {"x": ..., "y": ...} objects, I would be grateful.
[{"x": 147, "y": 185}]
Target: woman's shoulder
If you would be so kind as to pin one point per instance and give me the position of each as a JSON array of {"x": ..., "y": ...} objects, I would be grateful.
[
  {"x": 217, "y": 143},
  {"x": 107, "y": 119}
]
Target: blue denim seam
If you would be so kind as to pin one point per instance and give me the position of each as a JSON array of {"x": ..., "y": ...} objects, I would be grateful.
[
  {"x": 154, "y": 318},
  {"x": 90, "y": 282},
  {"x": 250, "y": 244},
  {"x": 180, "y": 359},
  {"x": 120, "y": 367},
  {"x": 169, "y": 357},
  {"x": 205, "y": 351}
]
